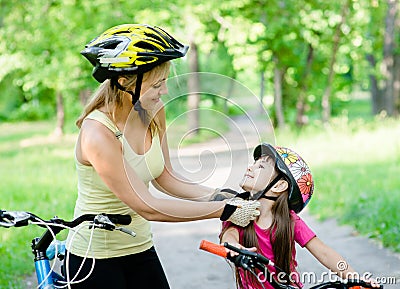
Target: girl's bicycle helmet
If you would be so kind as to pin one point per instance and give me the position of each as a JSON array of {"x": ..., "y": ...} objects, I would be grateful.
[
  {"x": 294, "y": 169},
  {"x": 131, "y": 49}
]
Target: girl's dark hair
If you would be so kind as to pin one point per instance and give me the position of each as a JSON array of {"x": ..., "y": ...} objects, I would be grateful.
[{"x": 281, "y": 234}]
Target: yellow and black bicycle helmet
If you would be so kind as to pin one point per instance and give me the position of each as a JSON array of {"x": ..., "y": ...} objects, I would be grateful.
[{"x": 131, "y": 49}]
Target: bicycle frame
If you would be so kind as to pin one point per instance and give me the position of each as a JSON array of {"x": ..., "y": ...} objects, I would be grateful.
[{"x": 46, "y": 277}]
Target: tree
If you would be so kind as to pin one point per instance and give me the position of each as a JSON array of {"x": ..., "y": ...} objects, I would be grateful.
[
  {"x": 389, "y": 56},
  {"x": 326, "y": 106},
  {"x": 382, "y": 55}
]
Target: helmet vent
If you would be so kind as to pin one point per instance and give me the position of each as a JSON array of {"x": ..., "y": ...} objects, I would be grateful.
[
  {"x": 144, "y": 45},
  {"x": 122, "y": 32},
  {"x": 111, "y": 45},
  {"x": 155, "y": 37}
]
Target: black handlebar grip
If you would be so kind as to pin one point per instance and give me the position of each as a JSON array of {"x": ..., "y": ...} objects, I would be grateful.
[{"x": 120, "y": 219}]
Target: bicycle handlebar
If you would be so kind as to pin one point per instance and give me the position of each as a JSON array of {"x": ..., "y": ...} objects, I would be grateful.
[
  {"x": 56, "y": 225},
  {"x": 248, "y": 260},
  {"x": 220, "y": 250},
  {"x": 104, "y": 221}
]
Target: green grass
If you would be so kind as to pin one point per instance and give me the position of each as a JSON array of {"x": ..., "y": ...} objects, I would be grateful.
[{"x": 37, "y": 174}]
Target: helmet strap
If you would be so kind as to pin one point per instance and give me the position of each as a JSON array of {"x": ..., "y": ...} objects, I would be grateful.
[
  {"x": 261, "y": 194},
  {"x": 114, "y": 82},
  {"x": 269, "y": 198},
  {"x": 135, "y": 95}
]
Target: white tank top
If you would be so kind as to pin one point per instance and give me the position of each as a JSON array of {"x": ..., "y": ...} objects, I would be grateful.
[{"x": 95, "y": 197}]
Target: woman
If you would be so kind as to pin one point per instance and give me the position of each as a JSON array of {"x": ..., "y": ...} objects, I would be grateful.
[{"x": 121, "y": 148}]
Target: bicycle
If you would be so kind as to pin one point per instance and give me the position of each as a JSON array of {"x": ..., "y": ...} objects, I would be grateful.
[
  {"x": 252, "y": 261},
  {"x": 43, "y": 246}
]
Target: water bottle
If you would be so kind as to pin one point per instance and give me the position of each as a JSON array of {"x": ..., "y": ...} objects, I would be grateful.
[{"x": 51, "y": 250}]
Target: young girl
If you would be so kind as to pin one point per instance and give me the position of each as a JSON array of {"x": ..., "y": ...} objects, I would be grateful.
[{"x": 282, "y": 182}]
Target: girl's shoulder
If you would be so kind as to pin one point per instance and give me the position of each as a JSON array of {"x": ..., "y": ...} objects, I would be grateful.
[
  {"x": 302, "y": 232},
  {"x": 294, "y": 216},
  {"x": 297, "y": 220}
]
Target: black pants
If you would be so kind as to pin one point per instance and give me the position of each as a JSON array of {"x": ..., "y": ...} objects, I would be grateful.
[{"x": 136, "y": 271}]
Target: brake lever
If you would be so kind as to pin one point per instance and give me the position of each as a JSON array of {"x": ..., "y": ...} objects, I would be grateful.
[
  {"x": 103, "y": 222},
  {"x": 14, "y": 218},
  {"x": 244, "y": 262},
  {"x": 126, "y": 231}
]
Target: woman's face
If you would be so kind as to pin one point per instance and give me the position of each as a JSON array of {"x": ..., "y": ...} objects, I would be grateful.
[
  {"x": 152, "y": 90},
  {"x": 259, "y": 174},
  {"x": 153, "y": 94}
]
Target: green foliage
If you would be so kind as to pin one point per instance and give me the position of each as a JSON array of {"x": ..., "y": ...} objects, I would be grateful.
[{"x": 236, "y": 38}]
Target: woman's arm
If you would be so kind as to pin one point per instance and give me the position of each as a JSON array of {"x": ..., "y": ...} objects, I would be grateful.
[
  {"x": 330, "y": 258},
  {"x": 170, "y": 182},
  {"x": 102, "y": 150}
]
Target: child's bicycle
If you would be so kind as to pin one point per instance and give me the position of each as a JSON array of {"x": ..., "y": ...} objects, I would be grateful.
[
  {"x": 251, "y": 261},
  {"x": 47, "y": 277}
]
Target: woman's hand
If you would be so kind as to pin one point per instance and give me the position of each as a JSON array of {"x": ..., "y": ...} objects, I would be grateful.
[
  {"x": 222, "y": 194},
  {"x": 240, "y": 212}
]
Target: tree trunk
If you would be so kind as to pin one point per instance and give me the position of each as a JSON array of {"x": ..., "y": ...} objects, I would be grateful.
[
  {"x": 388, "y": 56},
  {"x": 230, "y": 92},
  {"x": 262, "y": 91},
  {"x": 326, "y": 103},
  {"x": 194, "y": 89},
  {"x": 84, "y": 96},
  {"x": 60, "y": 115},
  {"x": 278, "y": 76},
  {"x": 396, "y": 95},
  {"x": 376, "y": 93},
  {"x": 301, "y": 100}
]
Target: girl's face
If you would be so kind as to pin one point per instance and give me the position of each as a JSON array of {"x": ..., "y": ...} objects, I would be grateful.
[{"x": 259, "y": 174}]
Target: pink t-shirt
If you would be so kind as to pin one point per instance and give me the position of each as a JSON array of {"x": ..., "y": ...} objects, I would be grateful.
[{"x": 302, "y": 235}]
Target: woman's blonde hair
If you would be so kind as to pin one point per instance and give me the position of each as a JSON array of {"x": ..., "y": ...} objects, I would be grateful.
[{"x": 110, "y": 96}]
